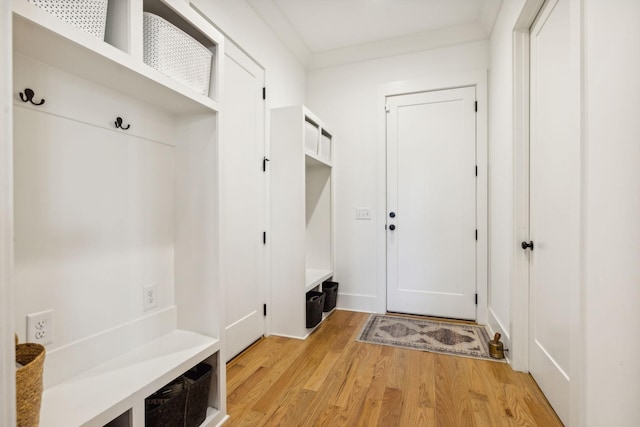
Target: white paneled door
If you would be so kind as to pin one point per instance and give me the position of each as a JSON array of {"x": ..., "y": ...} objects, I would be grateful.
[
  {"x": 554, "y": 205},
  {"x": 242, "y": 202},
  {"x": 431, "y": 203}
]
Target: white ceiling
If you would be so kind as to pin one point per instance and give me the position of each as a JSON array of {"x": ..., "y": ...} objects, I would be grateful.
[{"x": 327, "y": 32}]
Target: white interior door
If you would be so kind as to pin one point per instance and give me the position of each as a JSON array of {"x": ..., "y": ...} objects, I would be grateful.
[
  {"x": 242, "y": 206},
  {"x": 554, "y": 205},
  {"x": 431, "y": 201}
]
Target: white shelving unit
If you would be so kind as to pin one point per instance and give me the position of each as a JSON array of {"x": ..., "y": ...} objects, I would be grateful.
[
  {"x": 118, "y": 66},
  {"x": 104, "y": 393},
  {"x": 102, "y": 212},
  {"x": 302, "y": 191}
]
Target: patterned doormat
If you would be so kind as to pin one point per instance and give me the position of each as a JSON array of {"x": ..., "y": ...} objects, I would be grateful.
[{"x": 457, "y": 339}]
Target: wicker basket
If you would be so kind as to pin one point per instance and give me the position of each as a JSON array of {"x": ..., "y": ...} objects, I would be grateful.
[
  {"x": 88, "y": 15},
  {"x": 29, "y": 383},
  {"x": 174, "y": 53}
]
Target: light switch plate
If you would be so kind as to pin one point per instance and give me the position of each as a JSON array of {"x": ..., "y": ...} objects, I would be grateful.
[{"x": 363, "y": 213}]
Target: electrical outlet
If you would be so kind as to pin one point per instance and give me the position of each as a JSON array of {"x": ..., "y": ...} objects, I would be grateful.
[
  {"x": 40, "y": 327},
  {"x": 149, "y": 297},
  {"x": 363, "y": 213}
]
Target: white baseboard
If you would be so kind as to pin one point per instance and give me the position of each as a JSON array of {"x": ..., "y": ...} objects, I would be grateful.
[
  {"x": 289, "y": 336},
  {"x": 355, "y": 302},
  {"x": 72, "y": 359}
]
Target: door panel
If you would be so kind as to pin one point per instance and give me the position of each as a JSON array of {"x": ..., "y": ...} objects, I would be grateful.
[
  {"x": 554, "y": 205},
  {"x": 431, "y": 189},
  {"x": 242, "y": 200}
]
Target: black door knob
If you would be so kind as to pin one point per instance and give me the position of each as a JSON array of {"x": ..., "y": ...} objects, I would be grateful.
[
  {"x": 392, "y": 227},
  {"x": 526, "y": 245},
  {"x": 392, "y": 214}
]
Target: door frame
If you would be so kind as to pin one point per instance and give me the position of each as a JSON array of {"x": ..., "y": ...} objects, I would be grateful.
[
  {"x": 520, "y": 296},
  {"x": 478, "y": 79}
]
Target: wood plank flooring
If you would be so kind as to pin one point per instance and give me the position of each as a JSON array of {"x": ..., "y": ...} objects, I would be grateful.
[{"x": 332, "y": 380}]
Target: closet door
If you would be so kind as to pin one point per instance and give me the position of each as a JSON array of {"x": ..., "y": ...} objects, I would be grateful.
[
  {"x": 242, "y": 208},
  {"x": 554, "y": 205}
]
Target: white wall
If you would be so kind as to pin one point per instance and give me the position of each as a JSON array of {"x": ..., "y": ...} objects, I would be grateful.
[
  {"x": 285, "y": 75},
  {"x": 612, "y": 212},
  {"x": 501, "y": 238},
  {"x": 346, "y": 98},
  {"x": 94, "y": 211}
]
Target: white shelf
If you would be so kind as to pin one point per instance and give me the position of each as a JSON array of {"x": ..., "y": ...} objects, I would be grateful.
[
  {"x": 42, "y": 36},
  {"x": 99, "y": 395},
  {"x": 314, "y": 277},
  {"x": 312, "y": 159}
]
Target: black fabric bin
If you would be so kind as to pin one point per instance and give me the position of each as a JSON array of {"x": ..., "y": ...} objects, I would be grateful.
[
  {"x": 331, "y": 295},
  {"x": 198, "y": 381},
  {"x": 315, "y": 305},
  {"x": 181, "y": 403},
  {"x": 165, "y": 407}
]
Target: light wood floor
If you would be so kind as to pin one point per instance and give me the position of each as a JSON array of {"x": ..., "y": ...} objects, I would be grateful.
[{"x": 331, "y": 380}]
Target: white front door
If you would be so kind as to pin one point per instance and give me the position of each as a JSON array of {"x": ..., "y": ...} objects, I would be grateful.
[
  {"x": 242, "y": 201},
  {"x": 554, "y": 206},
  {"x": 431, "y": 203}
]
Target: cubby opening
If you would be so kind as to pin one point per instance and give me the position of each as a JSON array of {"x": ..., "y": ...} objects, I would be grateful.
[
  {"x": 118, "y": 30},
  {"x": 123, "y": 420},
  {"x": 188, "y": 399},
  {"x": 311, "y": 135},
  {"x": 318, "y": 215},
  {"x": 161, "y": 9},
  {"x": 324, "y": 149}
]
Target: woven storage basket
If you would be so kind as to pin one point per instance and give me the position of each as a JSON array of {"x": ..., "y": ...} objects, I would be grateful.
[
  {"x": 88, "y": 15},
  {"x": 29, "y": 383},
  {"x": 174, "y": 53}
]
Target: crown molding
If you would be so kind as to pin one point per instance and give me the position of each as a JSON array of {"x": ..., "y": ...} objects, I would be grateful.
[
  {"x": 271, "y": 14},
  {"x": 400, "y": 45}
]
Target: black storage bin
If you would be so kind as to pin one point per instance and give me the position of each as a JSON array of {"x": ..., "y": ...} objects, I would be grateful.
[
  {"x": 165, "y": 407},
  {"x": 198, "y": 381},
  {"x": 315, "y": 305},
  {"x": 330, "y": 290}
]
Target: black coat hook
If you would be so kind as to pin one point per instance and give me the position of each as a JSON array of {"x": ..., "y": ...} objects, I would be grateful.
[
  {"x": 118, "y": 123},
  {"x": 27, "y": 96}
]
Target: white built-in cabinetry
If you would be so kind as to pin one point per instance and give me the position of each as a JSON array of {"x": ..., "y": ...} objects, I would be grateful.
[
  {"x": 102, "y": 211},
  {"x": 302, "y": 182}
]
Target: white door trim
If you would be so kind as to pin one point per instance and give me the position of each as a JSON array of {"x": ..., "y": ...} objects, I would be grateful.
[
  {"x": 477, "y": 78},
  {"x": 7, "y": 354},
  {"x": 519, "y": 352},
  {"x": 520, "y": 282}
]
